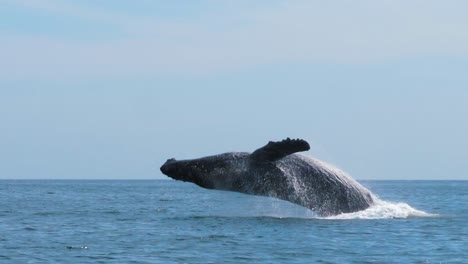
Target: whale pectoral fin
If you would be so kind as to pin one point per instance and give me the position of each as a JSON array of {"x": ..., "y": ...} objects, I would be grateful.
[{"x": 277, "y": 150}]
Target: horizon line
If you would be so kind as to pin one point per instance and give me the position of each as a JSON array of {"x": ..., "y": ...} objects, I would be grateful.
[{"x": 168, "y": 179}]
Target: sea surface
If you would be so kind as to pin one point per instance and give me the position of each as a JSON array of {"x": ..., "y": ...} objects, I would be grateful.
[{"x": 164, "y": 221}]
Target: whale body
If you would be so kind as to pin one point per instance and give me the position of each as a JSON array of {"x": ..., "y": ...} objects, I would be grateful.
[{"x": 275, "y": 170}]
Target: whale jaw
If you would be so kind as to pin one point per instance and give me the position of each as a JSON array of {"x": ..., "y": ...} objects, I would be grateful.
[
  {"x": 169, "y": 167},
  {"x": 187, "y": 171},
  {"x": 177, "y": 170}
]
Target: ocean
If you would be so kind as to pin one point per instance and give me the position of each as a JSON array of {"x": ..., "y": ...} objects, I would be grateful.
[{"x": 165, "y": 221}]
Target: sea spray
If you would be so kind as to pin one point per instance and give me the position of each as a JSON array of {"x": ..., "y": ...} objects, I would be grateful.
[{"x": 384, "y": 210}]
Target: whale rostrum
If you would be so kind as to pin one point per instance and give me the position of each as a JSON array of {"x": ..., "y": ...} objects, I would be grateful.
[{"x": 275, "y": 170}]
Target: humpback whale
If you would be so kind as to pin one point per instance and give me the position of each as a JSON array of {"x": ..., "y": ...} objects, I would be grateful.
[{"x": 275, "y": 170}]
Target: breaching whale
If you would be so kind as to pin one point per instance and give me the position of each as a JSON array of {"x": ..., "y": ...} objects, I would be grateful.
[{"x": 276, "y": 171}]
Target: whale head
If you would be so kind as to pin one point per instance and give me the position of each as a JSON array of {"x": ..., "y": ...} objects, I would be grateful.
[
  {"x": 171, "y": 168},
  {"x": 214, "y": 172}
]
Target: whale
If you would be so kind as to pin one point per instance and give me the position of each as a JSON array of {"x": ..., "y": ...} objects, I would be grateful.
[{"x": 276, "y": 170}]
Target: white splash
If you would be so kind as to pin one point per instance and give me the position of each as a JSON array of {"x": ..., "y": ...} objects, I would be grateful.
[
  {"x": 384, "y": 210},
  {"x": 379, "y": 210}
]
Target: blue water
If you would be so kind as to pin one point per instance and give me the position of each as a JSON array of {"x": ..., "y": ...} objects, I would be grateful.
[{"x": 164, "y": 221}]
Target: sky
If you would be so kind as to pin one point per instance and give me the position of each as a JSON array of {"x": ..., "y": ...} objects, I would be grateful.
[{"x": 111, "y": 89}]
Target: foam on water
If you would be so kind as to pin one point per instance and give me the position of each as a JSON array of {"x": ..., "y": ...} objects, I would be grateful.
[
  {"x": 384, "y": 210},
  {"x": 275, "y": 208},
  {"x": 380, "y": 210}
]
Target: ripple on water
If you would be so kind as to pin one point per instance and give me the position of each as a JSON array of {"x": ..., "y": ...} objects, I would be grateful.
[{"x": 165, "y": 222}]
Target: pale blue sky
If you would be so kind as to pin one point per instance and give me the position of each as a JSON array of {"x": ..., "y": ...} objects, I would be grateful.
[{"x": 110, "y": 90}]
